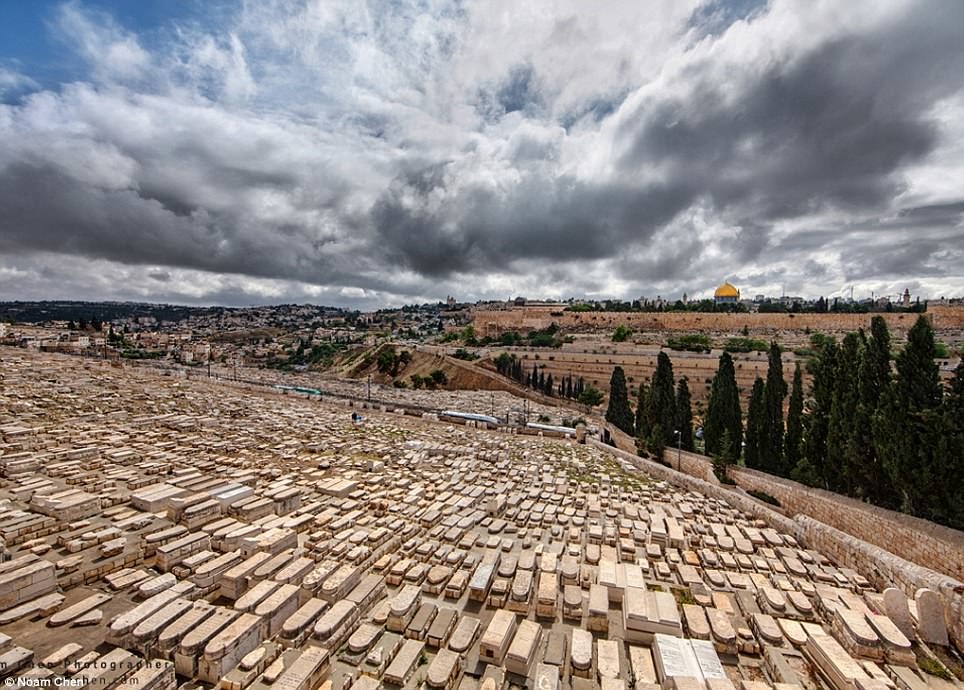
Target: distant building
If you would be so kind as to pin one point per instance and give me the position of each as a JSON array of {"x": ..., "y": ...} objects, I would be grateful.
[
  {"x": 905, "y": 299},
  {"x": 726, "y": 294}
]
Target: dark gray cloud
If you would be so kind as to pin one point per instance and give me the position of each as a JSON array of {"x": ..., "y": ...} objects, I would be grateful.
[
  {"x": 829, "y": 129},
  {"x": 826, "y": 128},
  {"x": 556, "y": 219}
]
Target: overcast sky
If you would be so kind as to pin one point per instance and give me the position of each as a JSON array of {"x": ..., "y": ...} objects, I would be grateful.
[{"x": 359, "y": 154}]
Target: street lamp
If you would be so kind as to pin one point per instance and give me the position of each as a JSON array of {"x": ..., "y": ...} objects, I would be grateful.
[{"x": 679, "y": 449}]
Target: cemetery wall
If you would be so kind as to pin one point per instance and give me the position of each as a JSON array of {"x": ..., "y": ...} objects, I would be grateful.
[
  {"x": 919, "y": 541},
  {"x": 875, "y": 563}
]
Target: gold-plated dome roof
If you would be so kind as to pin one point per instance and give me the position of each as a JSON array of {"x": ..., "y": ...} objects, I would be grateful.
[{"x": 726, "y": 290}]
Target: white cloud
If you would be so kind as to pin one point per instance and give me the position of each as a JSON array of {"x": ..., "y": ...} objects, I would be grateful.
[
  {"x": 12, "y": 81},
  {"x": 112, "y": 52},
  {"x": 357, "y": 150}
]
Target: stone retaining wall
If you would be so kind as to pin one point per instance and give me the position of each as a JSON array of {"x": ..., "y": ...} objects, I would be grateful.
[
  {"x": 919, "y": 541},
  {"x": 878, "y": 565}
]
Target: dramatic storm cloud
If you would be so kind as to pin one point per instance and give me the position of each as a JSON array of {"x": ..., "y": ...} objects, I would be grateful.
[{"x": 387, "y": 152}]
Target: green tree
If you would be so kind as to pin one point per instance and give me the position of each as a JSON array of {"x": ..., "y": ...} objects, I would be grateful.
[
  {"x": 622, "y": 333},
  {"x": 754, "y": 425},
  {"x": 589, "y": 395},
  {"x": 644, "y": 416},
  {"x": 950, "y": 455},
  {"x": 684, "y": 414},
  {"x": 840, "y": 433},
  {"x": 386, "y": 359},
  {"x": 723, "y": 411},
  {"x": 908, "y": 423},
  {"x": 662, "y": 406},
  {"x": 618, "y": 413},
  {"x": 873, "y": 380},
  {"x": 771, "y": 429},
  {"x": 723, "y": 458},
  {"x": 794, "y": 437},
  {"x": 812, "y": 468}
]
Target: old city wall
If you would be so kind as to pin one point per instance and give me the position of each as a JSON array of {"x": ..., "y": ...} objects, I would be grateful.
[{"x": 523, "y": 319}]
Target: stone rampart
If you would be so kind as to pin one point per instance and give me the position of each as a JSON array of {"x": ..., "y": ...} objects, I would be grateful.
[{"x": 493, "y": 322}]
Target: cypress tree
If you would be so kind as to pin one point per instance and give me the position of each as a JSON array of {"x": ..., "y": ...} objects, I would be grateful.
[
  {"x": 812, "y": 466},
  {"x": 662, "y": 406},
  {"x": 794, "y": 437},
  {"x": 840, "y": 432},
  {"x": 950, "y": 454},
  {"x": 721, "y": 459},
  {"x": 644, "y": 417},
  {"x": 618, "y": 413},
  {"x": 548, "y": 389},
  {"x": 684, "y": 414},
  {"x": 873, "y": 379},
  {"x": 909, "y": 423},
  {"x": 752, "y": 453},
  {"x": 723, "y": 411},
  {"x": 918, "y": 376},
  {"x": 771, "y": 428}
]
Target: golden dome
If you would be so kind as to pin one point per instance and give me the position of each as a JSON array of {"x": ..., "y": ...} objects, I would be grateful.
[{"x": 726, "y": 291}]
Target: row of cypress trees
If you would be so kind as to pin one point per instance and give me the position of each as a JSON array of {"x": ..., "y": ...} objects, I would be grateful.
[
  {"x": 873, "y": 427},
  {"x": 663, "y": 409},
  {"x": 890, "y": 435}
]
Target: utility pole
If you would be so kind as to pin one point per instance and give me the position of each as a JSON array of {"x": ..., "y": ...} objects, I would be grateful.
[{"x": 679, "y": 450}]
